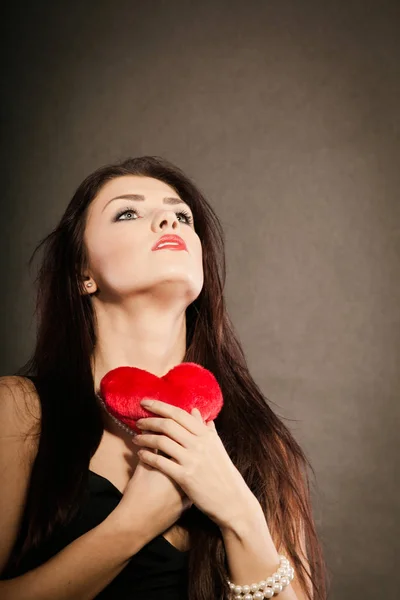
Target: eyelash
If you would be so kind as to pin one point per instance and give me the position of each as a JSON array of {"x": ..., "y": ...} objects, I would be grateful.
[{"x": 187, "y": 215}]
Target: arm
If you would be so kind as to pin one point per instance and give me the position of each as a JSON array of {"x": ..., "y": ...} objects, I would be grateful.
[
  {"x": 79, "y": 571},
  {"x": 202, "y": 468},
  {"x": 252, "y": 555},
  {"x": 84, "y": 567}
]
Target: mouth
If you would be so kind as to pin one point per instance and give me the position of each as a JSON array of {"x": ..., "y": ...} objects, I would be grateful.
[{"x": 170, "y": 242}]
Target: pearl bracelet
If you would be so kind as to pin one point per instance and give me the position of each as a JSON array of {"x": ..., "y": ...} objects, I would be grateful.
[{"x": 265, "y": 588}]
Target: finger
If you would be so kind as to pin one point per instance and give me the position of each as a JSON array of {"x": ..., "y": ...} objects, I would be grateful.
[
  {"x": 161, "y": 463},
  {"x": 173, "y": 412},
  {"x": 197, "y": 414},
  {"x": 211, "y": 425},
  {"x": 163, "y": 444},
  {"x": 168, "y": 427}
]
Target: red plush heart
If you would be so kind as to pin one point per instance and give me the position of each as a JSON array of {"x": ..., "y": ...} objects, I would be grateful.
[{"x": 188, "y": 385}]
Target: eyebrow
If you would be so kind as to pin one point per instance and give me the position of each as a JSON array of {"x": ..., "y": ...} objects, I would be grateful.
[{"x": 141, "y": 198}]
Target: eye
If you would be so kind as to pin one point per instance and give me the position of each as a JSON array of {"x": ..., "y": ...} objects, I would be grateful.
[
  {"x": 188, "y": 217},
  {"x": 126, "y": 211},
  {"x": 131, "y": 211}
]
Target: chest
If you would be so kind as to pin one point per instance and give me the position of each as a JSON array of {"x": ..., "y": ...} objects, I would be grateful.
[{"x": 116, "y": 460}]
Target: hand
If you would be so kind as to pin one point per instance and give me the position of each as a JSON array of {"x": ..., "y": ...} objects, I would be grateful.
[
  {"x": 152, "y": 501},
  {"x": 196, "y": 459}
]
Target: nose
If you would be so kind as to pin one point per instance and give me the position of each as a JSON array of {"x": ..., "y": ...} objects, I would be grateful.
[{"x": 166, "y": 219}]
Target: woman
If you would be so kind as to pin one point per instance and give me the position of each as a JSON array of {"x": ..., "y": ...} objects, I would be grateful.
[{"x": 85, "y": 514}]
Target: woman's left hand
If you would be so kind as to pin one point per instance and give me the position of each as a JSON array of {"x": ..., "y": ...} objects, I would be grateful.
[{"x": 196, "y": 460}]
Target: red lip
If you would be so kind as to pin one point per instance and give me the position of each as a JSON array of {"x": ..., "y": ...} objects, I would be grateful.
[{"x": 178, "y": 243}]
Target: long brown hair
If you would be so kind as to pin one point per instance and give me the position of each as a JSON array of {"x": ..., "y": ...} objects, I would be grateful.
[{"x": 265, "y": 452}]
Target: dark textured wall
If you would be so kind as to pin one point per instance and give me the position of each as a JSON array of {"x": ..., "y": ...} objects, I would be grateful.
[{"x": 287, "y": 115}]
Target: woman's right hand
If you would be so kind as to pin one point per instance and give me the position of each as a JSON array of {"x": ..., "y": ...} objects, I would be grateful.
[{"x": 153, "y": 500}]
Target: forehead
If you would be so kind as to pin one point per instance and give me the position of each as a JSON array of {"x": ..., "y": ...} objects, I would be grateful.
[{"x": 133, "y": 184}]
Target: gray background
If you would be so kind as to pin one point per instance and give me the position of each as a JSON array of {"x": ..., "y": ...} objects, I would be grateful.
[{"x": 286, "y": 114}]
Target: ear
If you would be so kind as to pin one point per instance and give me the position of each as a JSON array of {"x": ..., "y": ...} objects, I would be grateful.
[{"x": 89, "y": 285}]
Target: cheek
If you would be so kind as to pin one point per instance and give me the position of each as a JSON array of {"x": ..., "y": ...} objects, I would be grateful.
[
  {"x": 199, "y": 253},
  {"x": 199, "y": 264},
  {"x": 113, "y": 260}
]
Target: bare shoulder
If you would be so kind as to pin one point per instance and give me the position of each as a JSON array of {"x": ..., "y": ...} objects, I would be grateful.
[
  {"x": 19, "y": 442},
  {"x": 19, "y": 407}
]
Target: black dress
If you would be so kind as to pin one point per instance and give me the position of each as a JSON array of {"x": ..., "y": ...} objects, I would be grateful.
[{"x": 157, "y": 571}]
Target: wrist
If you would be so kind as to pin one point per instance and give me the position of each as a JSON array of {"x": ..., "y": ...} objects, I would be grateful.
[
  {"x": 245, "y": 516},
  {"x": 125, "y": 529}
]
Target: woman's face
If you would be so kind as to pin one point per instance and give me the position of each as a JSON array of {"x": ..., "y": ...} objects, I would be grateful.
[{"x": 124, "y": 222}]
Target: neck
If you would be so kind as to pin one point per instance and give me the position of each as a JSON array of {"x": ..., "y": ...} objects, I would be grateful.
[{"x": 149, "y": 338}]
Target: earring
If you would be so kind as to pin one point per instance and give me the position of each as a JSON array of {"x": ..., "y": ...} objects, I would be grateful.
[{"x": 89, "y": 284}]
